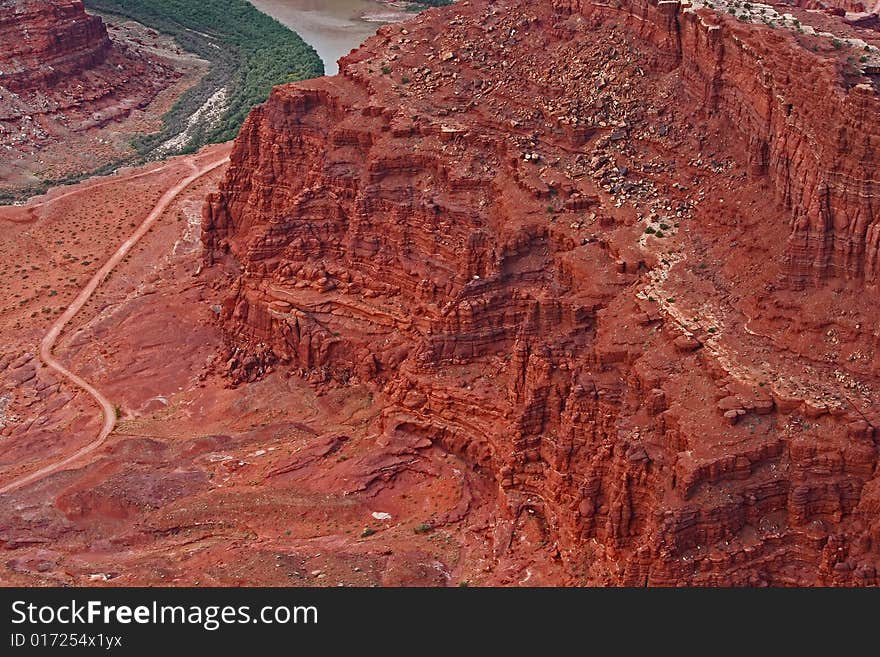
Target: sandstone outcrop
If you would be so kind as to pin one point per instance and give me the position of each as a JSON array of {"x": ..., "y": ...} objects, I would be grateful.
[
  {"x": 569, "y": 241},
  {"x": 46, "y": 41},
  {"x": 63, "y": 77},
  {"x": 820, "y": 170},
  {"x": 836, "y": 6}
]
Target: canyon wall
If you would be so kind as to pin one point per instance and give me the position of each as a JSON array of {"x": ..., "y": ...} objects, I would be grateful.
[
  {"x": 44, "y": 41},
  {"x": 820, "y": 149},
  {"x": 840, "y": 7},
  {"x": 525, "y": 224}
]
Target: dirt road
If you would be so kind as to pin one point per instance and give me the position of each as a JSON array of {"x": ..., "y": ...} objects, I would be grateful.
[{"x": 48, "y": 343}]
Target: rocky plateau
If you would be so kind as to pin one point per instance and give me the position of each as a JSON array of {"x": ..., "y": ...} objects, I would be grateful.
[
  {"x": 557, "y": 293},
  {"x": 616, "y": 256}
]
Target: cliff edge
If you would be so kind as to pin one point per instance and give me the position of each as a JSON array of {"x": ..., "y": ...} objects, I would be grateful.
[{"x": 618, "y": 256}]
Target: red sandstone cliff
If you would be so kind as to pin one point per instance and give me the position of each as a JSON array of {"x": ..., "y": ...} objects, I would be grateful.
[
  {"x": 44, "y": 41},
  {"x": 62, "y": 76},
  {"x": 819, "y": 148},
  {"x": 841, "y": 7},
  {"x": 567, "y": 241}
]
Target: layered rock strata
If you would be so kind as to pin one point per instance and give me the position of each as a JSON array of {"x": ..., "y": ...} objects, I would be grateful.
[
  {"x": 45, "y": 41},
  {"x": 563, "y": 239},
  {"x": 62, "y": 78}
]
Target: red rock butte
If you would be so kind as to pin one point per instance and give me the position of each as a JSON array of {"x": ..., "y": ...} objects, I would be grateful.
[
  {"x": 621, "y": 258},
  {"x": 63, "y": 79},
  {"x": 45, "y": 41}
]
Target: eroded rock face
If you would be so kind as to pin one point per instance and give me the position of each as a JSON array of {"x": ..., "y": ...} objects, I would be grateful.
[
  {"x": 840, "y": 7},
  {"x": 817, "y": 149},
  {"x": 566, "y": 241},
  {"x": 44, "y": 41},
  {"x": 62, "y": 79}
]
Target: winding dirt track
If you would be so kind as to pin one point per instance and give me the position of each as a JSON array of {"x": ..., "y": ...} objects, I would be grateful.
[{"x": 48, "y": 343}]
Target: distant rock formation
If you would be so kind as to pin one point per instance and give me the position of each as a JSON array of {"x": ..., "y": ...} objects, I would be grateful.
[
  {"x": 44, "y": 41},
  {"x": 61, "y": 75}
]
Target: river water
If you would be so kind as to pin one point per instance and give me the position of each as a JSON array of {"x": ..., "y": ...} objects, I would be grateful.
[{"x": 333, "y": 27}]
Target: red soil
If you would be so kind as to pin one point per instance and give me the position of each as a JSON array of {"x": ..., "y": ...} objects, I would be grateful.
[{"x": 450, "y": 351}]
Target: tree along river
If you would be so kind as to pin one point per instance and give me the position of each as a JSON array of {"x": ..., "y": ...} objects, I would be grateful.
[{"x": 332, "y": 27}]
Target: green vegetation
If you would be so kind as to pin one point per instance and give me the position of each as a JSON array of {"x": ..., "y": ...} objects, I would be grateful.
[
  {"x": 249, "y": 52},
  {"x": 420, "y": 5},
  {"x": 424, "y": 528},
  {"x": 368, "y": 531},
  {"x": 8, "y": 196}
]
